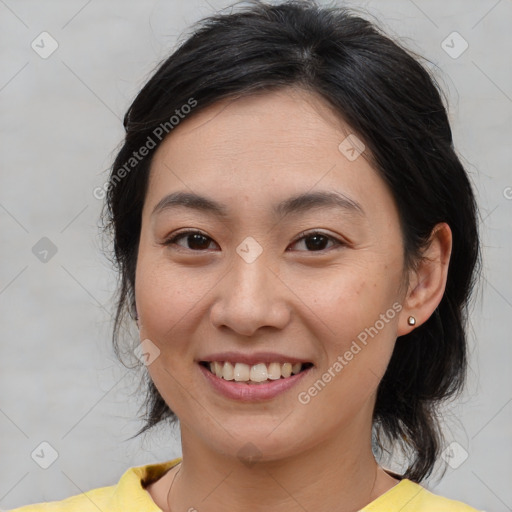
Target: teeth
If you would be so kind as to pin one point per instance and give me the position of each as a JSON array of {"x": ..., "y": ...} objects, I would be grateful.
[
  {"x": 286, "y": 370},
  {"x": 274, "y": 371},
  {"x": 228, "y": 371},
  {"x": 260, "y": 372},
  {"x": 218, "y": 368},
  {"x": 241, "y": 372}
]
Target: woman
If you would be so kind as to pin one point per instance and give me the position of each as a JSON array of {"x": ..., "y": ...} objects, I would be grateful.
[{"x": 297, "y": 242}]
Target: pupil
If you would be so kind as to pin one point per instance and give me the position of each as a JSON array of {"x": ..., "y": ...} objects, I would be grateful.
[
  {"x": 319, "y": 242},
  {"x": 197, "y": 238}
]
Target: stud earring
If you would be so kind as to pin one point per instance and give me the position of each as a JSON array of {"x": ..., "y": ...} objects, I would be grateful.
[{"x": 411, "y": 320}]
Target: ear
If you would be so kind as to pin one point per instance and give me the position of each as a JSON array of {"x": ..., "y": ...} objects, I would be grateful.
[{"x": 427, "y": 281}]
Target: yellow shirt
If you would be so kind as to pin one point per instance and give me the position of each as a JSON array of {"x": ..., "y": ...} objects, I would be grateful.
[{"x": 129, "y": 495}]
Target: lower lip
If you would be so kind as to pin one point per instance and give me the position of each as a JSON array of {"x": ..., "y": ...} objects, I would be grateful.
[{"x": 251, "y": 392}]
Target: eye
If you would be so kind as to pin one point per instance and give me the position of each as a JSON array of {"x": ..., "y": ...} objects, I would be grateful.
[
  {"x": 316, "y": 241},
  {"x": 194, "y": 240}
]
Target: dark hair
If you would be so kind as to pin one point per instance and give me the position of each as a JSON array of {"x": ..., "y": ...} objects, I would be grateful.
[{"x": 394, "y": 106}]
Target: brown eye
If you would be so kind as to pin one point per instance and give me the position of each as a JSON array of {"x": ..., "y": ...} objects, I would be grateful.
[
  {"x": 316, "y": 241},
  {"x": 194, "y": 240}
]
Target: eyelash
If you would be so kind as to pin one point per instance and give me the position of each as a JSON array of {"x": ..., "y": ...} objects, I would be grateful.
[{"x": 302, "y": 236}]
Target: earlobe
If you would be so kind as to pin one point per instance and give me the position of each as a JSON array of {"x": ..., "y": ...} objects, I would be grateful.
[{"x": 427, "y": 280}]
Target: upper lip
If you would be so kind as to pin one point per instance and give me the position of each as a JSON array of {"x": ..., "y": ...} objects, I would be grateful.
[{"x": 252, "y": 359}]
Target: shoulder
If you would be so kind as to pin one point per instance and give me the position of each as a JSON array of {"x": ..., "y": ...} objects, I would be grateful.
[
  {"x": 408, "y": 496},
  {"x": 128, "y": 495}
]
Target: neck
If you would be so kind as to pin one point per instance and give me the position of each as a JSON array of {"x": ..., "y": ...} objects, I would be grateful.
[{"x": 330, "y": 476}]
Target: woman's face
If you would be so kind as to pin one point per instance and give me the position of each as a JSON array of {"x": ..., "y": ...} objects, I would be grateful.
[{"x": 275, "y": 276}]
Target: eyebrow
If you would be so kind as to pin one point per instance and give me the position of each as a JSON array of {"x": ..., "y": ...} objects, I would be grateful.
[{"x": 293, "y": 205}]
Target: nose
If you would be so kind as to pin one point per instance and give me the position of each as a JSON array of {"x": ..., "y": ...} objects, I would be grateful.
[{"x": 250, "y": 296}]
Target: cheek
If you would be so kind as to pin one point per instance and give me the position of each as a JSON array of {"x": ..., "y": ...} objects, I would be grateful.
[
  {"x": 355, "y": 318},
  {"x": 167, "y": 298},
  {"x": 351, "y": 297},
  {"x": 164, "y": 296}
]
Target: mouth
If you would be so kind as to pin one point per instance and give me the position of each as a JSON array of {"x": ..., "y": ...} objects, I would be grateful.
[{"x": 257, "y": 374}]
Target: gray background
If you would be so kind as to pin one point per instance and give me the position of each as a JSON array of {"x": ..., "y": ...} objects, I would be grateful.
[{"x": 60, "y": 125}]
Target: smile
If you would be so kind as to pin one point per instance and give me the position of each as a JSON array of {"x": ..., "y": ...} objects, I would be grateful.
[
  {"x": 254, "y": 374},
  {"x": 252, "y": 383}
]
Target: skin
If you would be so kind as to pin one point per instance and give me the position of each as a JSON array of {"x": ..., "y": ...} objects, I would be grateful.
[{"x": 249, "y": 154}]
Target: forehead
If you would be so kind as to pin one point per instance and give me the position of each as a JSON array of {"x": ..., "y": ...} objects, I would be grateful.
[
  {"x": 262, "y": 148},
  {"x": 238, "y": 128}
]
